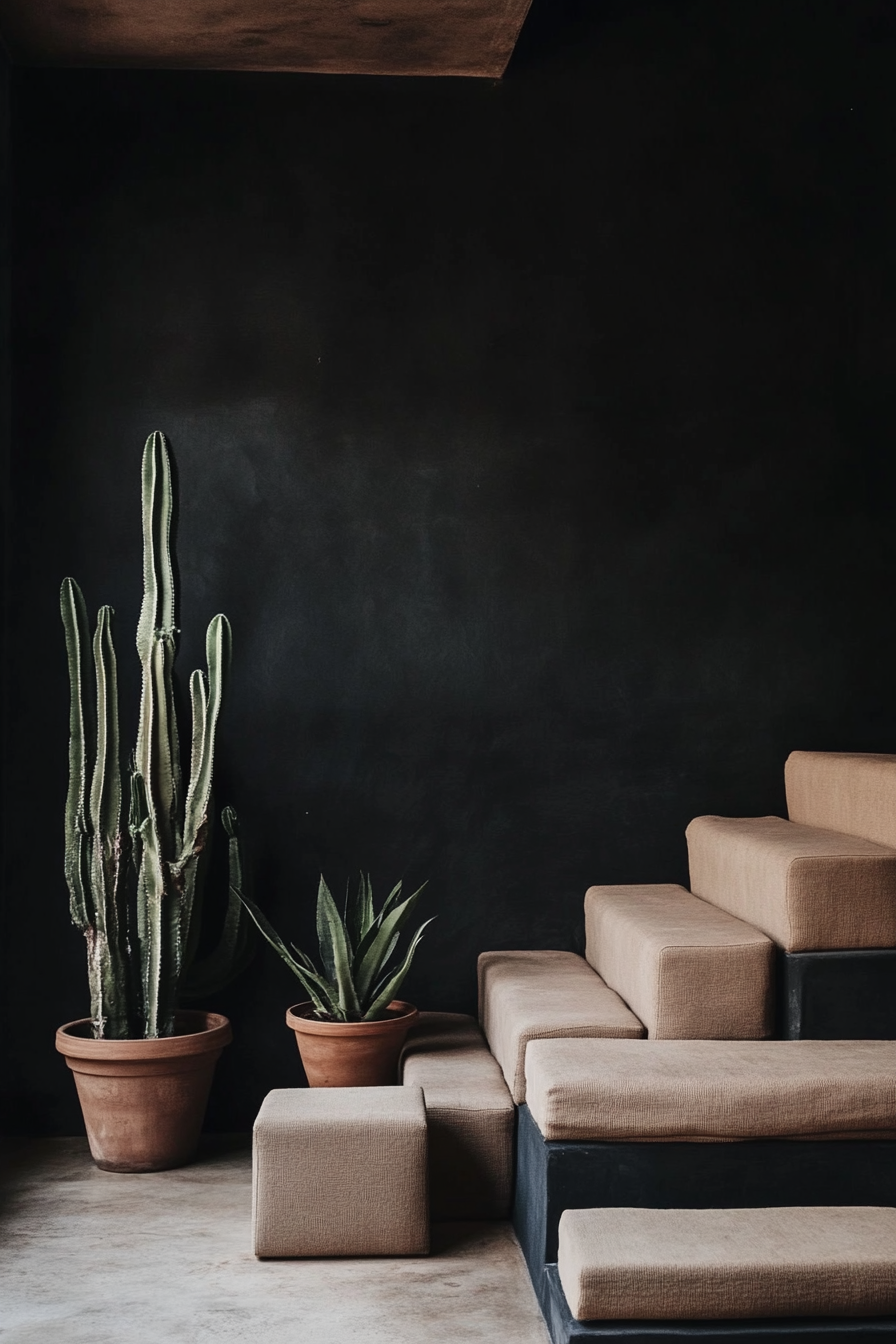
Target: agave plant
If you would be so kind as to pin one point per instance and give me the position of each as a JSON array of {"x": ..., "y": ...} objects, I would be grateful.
[
  {"x": 142, "y": 944},
  {"x": 356, "y": 984}
]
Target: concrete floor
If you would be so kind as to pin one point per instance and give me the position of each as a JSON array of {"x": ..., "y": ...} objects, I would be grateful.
[{"x": 165, "y": 1259}]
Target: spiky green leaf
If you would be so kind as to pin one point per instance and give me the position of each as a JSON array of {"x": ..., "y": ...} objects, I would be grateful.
[
  {"x": 322, "y": 995},
  {"x": 336, "y": 950},
  {"x": 388, "y": 987},
  {"x": 372, "y": 962},
  {"x": 359, "y": 915}
]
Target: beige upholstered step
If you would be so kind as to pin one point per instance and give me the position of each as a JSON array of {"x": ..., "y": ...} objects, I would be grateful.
[
  {"x": 469, "y": 1116},
  {"x": 809, "y": 889},
  {"x": 851, "y": 792},
  {"x": 526, "y": 996},
  {"x": 688, "y": 969},
  {"x": 711, "y": 1090},
  {"x": 717, "y": 1264}
]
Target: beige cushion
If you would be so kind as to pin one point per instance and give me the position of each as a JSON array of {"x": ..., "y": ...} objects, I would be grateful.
[
  {"x": 469, "y": 1113},
  {"x": 524, "y": 996},
  {"x": 713, "y": 1264},
  {"x": 626, "y": 1090},
  {"x": 808, "y": 889},
  {"x": 852, "y": 792},
  {"x": 340, "y": 1171},
  {"x": 688, "y": 969}
]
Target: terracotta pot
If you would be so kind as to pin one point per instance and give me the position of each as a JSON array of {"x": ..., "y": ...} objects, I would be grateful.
[
  {"x": 351, "y": 1054},
  {"x": 144, "y": 1101}
]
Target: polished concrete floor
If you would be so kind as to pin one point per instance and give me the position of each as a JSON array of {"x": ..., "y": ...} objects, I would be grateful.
[{"x": 165, "y": 1259}]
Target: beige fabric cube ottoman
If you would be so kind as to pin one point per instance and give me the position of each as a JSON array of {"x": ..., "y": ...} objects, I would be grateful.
[
  {"x": 470, "y": 1117},
  {"x": 529, "y": 996},
  {"x": 340, "y": 1171},
  {"x": 689, "y": 970},
  {"x": 718, "y": 1264}
]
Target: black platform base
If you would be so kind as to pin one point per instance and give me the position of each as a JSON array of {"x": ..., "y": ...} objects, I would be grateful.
[
  {"x": 832, "y": 996},
  {"x": 769, "y": 1173},
  {"x": 785, "y": 1330}
]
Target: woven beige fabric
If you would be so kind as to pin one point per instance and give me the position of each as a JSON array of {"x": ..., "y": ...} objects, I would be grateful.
[
  {"x": 627, "y": 1090},
  {"x": 713, "y": 1264},
  {"x": 852, "y": 792},
  {"x": 526, "y": 996},
  {"x": 470, "y": 1116},
  {"x": 809, "y": 889},
  {"x": 340, "y": 1171},
  {"x": 689, "y": 970}
]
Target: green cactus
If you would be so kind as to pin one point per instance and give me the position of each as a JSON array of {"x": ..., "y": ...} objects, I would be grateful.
[{"x": 138, "y": 968}]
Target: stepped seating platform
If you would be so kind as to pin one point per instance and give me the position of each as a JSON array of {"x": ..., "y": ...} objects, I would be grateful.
[
  {"x": 790, "y": 928},
  {"x": 679, "y": 1174},
  {"x": 731, "y": 1273},
  {"x": 687, "y": 969},
  {"x": 470, "y": 1117}
]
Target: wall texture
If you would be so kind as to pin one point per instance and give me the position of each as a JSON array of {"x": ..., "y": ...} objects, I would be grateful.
[{"x": 536, "y": 437}]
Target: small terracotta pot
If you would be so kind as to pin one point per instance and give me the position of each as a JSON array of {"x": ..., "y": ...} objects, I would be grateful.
[
  {"x": 351, "y": 1054},
  {"x": 144, "y": 1101}
]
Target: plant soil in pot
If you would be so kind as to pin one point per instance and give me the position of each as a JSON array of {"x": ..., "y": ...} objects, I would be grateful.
[
  {"x": 144, "y": 1101},
  {"x": 351, "y": 1054}
]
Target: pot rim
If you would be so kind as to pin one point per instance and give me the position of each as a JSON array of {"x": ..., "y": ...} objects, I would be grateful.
[
  {"x": 212, "y": 1031},
  {"x": 297, "y": 1020}
]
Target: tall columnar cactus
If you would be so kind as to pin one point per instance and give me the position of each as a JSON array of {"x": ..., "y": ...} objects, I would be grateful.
[{"x": 137, "y": 966}]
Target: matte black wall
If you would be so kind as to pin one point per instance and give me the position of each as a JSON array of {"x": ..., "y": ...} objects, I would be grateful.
[{"x": 536, "y": 437}]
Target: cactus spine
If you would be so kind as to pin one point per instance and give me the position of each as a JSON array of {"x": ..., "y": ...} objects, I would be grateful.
[{"x": 135, "y": 973}]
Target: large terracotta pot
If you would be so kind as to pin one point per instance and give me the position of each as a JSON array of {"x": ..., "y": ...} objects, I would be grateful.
[
  {"x": 144, "y": 1101},
  {"x": 351, "y": 1054}
]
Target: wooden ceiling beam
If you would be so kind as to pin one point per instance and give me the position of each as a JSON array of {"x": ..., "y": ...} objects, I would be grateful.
[{"x": 358, "y": 37}]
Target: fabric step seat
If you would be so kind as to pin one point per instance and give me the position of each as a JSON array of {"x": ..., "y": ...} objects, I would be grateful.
[
  {"x": 687, "y": 969},
  {"x": 469, "y": 1113},
  {"x": 711, "y": 1090},
  {"x": 809, "y": 889},
  {"x": 527, "y": 996},
  {"x": 850, "y": 792},
  {"x": 340, "y": 1171},
  {"x": 717, "y": 1264}
]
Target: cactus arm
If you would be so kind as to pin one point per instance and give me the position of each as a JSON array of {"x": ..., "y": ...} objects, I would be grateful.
[
  {"x": 158, "y": 749},
  {"x": 150, "y": 898},
  {"x": 74, "y": 620},
  {"x": 199, "y": 714},
  {"x": 105, "y": 790},
  {"x": 157, "y": 611},
  {"x": 157, "y": 755},
  {"x": 217, "y": 646},
  {"x": 235, "y": 948},
  {"x": 109, "y": 946}
]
